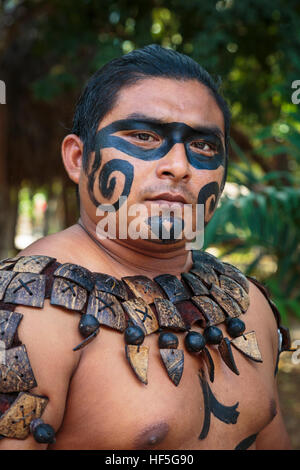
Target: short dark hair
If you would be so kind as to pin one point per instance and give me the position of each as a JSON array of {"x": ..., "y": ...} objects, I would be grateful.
[{"x": 101, "y": 91}]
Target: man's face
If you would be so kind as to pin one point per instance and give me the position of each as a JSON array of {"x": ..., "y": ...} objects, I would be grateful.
[{"x": 161, "y": 144}]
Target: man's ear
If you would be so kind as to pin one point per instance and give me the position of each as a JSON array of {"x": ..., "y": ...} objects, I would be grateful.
[{"x": 72, "y": 152}]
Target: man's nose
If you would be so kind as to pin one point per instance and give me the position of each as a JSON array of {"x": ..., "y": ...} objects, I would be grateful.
[{"x": 174, "y": 165}]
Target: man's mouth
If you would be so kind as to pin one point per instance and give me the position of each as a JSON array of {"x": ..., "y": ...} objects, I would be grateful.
[{"x": 168, "y": 199}]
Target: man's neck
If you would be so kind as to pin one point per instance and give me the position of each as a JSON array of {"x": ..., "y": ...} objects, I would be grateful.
[{"x": 129, "y": 259}]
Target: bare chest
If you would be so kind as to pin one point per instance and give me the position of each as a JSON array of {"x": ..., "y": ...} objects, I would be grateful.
[{"x": 108, "y": 408}]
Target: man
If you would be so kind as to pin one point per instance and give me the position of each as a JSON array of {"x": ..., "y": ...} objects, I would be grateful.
[{"x": 173, "y": 367}]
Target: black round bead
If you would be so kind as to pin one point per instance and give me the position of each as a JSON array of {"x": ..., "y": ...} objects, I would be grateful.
[
  {"x": 235, "y": 327},
  {"x": 167, "y": 341},
  {"x": 194, "y": 342},
  {"x": 44, "y": 434},
  {"x": 213, "y": 335},
  {"x": 88, "y": 324},
  {"x": 134, "y": 335}
]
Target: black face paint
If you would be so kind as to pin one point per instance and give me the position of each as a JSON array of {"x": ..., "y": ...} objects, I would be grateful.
[
  {"x": 172, "y": 234},
  {"x": 210, "y": 189},
  {"x": 171, "y": 134},
  {"x": 113, "y": 165}
]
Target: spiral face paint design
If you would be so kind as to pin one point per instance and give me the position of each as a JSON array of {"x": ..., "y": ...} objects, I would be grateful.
[
  {"x": 170, "y": 133},
  {"x": 113, "y": 165}
]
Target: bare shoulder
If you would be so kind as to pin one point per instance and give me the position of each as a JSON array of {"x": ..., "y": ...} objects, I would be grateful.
[
  {"x": 49, "y": 335},
  {"x": 61, "y": 245},
  {"x": 261, "y": 315}
]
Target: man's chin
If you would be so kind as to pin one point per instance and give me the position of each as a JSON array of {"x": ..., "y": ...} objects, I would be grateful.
[
  {"x": 164, "y": 241},
  {"x": 164, "y": 229}
]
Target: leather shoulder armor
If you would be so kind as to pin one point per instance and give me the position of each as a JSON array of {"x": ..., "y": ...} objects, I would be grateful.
[{"x": 21, "y": 283}]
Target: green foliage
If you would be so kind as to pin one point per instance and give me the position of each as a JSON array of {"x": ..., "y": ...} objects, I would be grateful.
[{"x": 53, "y": 85}]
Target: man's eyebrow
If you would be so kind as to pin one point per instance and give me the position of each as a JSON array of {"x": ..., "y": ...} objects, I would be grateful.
[
  {"x": 146, "y": 118},
  {"x": 202, "y": 129}
]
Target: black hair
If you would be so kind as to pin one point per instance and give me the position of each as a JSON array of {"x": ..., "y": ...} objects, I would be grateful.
[{"x": 101, "y": 91}]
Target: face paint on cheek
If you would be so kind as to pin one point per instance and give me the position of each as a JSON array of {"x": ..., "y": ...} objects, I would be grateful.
[
  {"x": 209, "y": 196},
  {"x": 107, "y": 189},
  {"x": 202, "y": 162}
]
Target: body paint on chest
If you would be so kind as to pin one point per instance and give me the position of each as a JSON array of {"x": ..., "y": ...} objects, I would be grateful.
[
  {"x": 246, "y": 443},
  {"x": 226, "y": 414}
]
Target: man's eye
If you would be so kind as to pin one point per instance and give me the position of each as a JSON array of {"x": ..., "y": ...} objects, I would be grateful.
[
  {"x": 143, "y": 136},
  {"x": 204, "y": 147}
]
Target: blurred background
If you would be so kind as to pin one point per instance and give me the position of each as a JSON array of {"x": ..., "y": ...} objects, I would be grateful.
[{"x": 48, "y": 49}]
